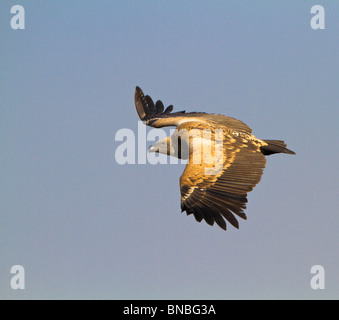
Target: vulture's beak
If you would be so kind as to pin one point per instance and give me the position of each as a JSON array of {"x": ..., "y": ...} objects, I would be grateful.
[
  {"x": 161, "y": 146},
  {"x": 152, "y": 149}
]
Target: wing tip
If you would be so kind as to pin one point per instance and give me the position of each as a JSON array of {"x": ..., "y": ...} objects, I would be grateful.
[
  {"x": 139, "y": 104},
  {"x": 146, "y": 108},
  {"x": 213, "y": 217}
]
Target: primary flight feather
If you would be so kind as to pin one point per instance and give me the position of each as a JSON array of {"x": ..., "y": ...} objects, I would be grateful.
[{"x": 225, "y": 161}]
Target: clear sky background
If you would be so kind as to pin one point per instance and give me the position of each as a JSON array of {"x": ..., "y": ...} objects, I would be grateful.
[{"x": 85, "y": 227}]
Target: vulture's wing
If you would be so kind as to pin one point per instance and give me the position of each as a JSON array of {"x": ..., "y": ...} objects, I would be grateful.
[
  {"x": 155, "y": 116},
  {"x": 215, "y": 197}
]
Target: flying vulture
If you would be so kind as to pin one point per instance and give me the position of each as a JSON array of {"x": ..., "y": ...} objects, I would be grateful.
[{"x": 225, "y": 161}]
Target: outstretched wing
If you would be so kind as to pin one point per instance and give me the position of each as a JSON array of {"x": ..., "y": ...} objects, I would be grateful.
[
  {"x": 215, "y": 197},
  {"x": 155, "y": 116}
]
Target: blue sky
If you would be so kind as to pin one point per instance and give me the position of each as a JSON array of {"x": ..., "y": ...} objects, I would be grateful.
[{"x": 86, "y": 227}]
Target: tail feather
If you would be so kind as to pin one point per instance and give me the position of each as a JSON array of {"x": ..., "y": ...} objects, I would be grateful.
[{"x": 275, "y": 146}]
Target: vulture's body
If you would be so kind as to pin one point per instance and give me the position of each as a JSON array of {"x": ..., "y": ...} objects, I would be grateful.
[{"x": 225, "y": 161}]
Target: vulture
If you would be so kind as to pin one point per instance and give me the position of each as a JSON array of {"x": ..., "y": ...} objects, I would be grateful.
[{"x": 225, "y": 161}]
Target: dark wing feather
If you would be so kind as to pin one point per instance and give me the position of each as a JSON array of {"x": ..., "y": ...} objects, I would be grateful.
[
  {"x": 169, "y": 109},
  {"x": 151, "y": 110},
  {"x": 219, "y": 197},
  {"x": 159, "y": 107}
]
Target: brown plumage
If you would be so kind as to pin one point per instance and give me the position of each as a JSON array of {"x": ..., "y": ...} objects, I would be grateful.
[{"x": 225, "y": 161}]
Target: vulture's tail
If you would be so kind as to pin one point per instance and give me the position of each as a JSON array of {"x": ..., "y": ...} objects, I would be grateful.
[{"x": 275, "y": 146}]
